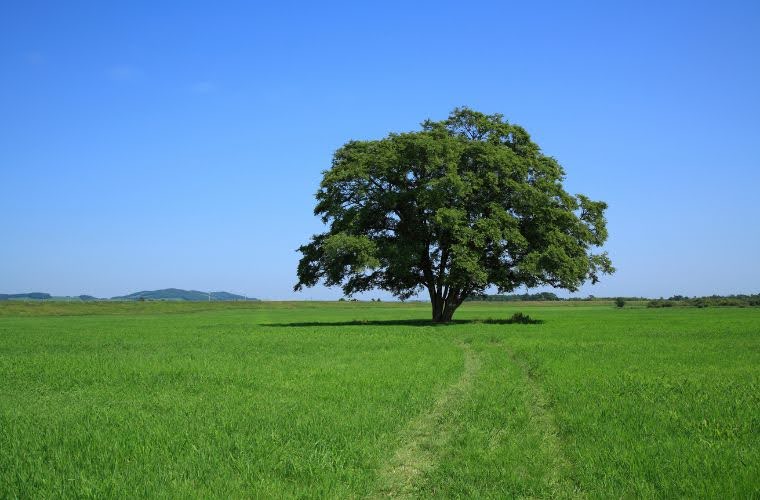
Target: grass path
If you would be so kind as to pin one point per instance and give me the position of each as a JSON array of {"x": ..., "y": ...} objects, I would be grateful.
[
  {"x": 425, "y": 436},
  {"x": 560, "y": 484},
  {"x": 426, "y": 439}
]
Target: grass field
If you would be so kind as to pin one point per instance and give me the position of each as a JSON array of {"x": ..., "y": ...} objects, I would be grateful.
[{"x": 368, "y": 400}]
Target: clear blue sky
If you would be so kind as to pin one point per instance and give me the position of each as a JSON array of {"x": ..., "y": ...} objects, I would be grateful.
[{"x": 144, "y": 146}]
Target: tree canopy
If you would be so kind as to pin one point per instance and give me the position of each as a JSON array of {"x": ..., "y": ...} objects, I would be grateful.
[{"x": 459, "y": 206}]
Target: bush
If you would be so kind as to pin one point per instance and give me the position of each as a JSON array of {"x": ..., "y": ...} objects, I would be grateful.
[
  {"x": 522, "y": 319},
  {"x": 619, "y": 302},
  {"x": 660, "y": 303}
]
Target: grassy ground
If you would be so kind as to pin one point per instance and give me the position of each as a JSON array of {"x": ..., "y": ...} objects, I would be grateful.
[{"x": 368, "y": 400}]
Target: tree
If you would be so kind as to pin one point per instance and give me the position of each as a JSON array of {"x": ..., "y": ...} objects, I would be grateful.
[
  {"x": 464, "y": 204},
  {"x": 620, "y": 302}
]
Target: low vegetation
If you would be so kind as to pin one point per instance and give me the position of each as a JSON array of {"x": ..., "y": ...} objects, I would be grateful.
[
  {"x": 711, "y": 301},
  {"x": 372, "y": 399},
  {"x": 537, "y": 297}
]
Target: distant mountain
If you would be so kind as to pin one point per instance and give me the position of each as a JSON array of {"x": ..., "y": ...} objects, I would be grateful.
[
  {"x": 33, "y": 295},
  {"x": 228, "y": 296},
  {"x": 177, "y": 294}
]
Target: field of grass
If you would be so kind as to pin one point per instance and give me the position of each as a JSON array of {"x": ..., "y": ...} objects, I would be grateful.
[{"x": 369, "y": 400}]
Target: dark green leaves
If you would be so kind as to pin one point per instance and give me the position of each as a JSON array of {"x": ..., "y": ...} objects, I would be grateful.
[{"x": 466, "y": 203}]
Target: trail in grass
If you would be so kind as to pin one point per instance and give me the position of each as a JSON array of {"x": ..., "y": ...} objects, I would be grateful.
[
  {"x": 559, "y": 480},
  {"x": 425, "y": 436}
]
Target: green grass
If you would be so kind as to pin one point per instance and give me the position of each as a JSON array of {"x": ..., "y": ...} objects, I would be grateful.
[{"x": 369, "y": 400}]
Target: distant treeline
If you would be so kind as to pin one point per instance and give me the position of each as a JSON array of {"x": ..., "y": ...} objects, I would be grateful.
[
  {"x": 538, "y": 297},
  {"x": 739, "y": 300},
  {"x": 513, "y": 298},
  {"x": 710, "y": 301}
]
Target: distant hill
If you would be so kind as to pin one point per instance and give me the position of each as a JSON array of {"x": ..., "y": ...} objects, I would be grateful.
[
  {"x": 33, "y": 295},
  {"x": 177, "y": 294}
]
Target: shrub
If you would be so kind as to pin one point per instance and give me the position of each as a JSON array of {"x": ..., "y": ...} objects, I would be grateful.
[
  {"x": 619, "y": 302},
  {"x": 522, "y": 319},
  {"x": 699, "y": 303},
  {"x": 660, "y": 303}
]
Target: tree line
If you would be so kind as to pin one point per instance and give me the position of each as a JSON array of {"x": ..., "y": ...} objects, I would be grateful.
[{"x": 740, "y": 300}]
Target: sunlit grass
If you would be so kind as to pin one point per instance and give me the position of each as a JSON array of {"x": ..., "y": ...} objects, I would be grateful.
[{"x": 345, "y": 399}]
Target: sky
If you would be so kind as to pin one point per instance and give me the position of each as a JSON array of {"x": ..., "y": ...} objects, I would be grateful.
[{"x": 148, "y": 145}]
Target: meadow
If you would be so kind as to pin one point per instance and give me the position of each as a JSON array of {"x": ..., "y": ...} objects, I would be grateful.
[{"x": 318, "y": 399}]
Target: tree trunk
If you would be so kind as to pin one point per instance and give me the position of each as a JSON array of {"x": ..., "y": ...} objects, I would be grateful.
[
  {"x": 438, "y": 305},
  {"x": 447, "y": 314},
  {"x": 443, "y": 308}
]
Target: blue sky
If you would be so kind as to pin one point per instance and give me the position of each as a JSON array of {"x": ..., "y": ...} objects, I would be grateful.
[{"x": 148, "y": 145}]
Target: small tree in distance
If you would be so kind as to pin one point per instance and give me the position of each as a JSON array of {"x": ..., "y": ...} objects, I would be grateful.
[
  {"x": 619, "y": 302},
  {"x": 463, "y": 204}
]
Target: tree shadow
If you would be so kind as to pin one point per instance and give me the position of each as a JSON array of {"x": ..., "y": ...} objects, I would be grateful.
[{"x": 514, "y": 320}]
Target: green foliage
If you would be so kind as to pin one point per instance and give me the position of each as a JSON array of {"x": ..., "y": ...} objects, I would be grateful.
[
  {"x": 523, "y": 319},
  {"x": 318, "y": 399},
  {"x": 711, "y": 301},
  {"x": 656, "y": 303},
  {"x": 539, "y": 297},
  {"x": 464, "y": 204},
  {"x": 619, "y": 302}
]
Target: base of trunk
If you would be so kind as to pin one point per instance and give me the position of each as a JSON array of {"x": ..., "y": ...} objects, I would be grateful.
[
  {"x": 444, "y": 306},
  {"x": 443, "y": 316}
]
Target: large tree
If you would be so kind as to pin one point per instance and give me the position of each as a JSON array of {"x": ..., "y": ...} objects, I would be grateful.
[{"x": 464, "y": 204}]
